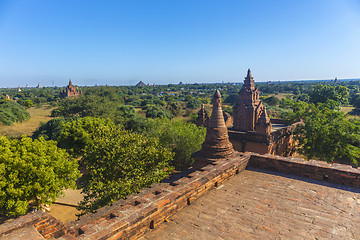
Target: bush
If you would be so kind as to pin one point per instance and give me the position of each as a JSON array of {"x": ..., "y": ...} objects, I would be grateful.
[
  {"x": 193, "y": 103},
  {"x": 33, "y": 172},
  {"x": 11, "y": 112},
  {"x": 154, "y": 111}
]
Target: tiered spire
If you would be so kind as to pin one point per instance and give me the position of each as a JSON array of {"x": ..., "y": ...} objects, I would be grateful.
[
  {"x": 249, "y": 81},
  {"x": 217, "y": 144}
]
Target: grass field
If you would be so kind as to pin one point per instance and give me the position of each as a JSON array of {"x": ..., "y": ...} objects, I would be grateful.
[{"x": 38, "y": 115}]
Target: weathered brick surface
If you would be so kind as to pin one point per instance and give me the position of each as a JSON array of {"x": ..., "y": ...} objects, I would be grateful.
[
  {"x": 337, "y": 173},
  {"x": 46, "y": 225},
  {"x": 261, "y": 204}
]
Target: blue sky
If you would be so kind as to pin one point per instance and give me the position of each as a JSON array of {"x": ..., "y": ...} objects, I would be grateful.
[{"x": 122, "y": 42}]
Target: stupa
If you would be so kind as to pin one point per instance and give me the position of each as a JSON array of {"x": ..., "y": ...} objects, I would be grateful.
[{"x": 216, "y": 144}]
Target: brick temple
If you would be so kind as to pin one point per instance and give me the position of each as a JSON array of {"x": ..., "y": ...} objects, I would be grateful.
[{"x": 70, "y": 91}]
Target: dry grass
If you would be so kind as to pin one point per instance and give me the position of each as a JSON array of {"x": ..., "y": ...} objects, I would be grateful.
[
  {"x": 347, "y": 109},
  {"x": 282, "y": 95},
  {"x": 38, "y": 115}
]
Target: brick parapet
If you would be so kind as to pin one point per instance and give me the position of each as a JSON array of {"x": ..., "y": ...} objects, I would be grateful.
[
  {"x": 44, "y": 223},
  {"x": 130, "y": 218},
  {"x": 320, "y": 170}
]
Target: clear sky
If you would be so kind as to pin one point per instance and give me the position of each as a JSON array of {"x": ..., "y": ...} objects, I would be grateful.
[{"x": 121, "y": 42}]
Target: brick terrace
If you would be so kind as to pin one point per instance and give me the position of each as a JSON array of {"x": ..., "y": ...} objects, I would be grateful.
[{"x": 261, "y": 204}]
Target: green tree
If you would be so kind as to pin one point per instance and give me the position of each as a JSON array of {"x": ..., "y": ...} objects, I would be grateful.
[
  {"x": 51, "y": 130},
  {"x": 119, "y": 163},
  {"x": 77, "y": 134},
  {"x": 34, "y": 172},
  {"x": 183, "y": 138},
  {"x": 326, "y": 133},
  {"x": 153, "y": 111},
  {"x": 193, "y": 103},
  {"x": 355, "y": 101},
  {"x": 323, "y": 93}
]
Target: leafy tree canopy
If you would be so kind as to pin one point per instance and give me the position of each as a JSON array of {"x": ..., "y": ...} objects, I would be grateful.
[
  {"x": 118, "y": 162},
  {"x": 323, "y": 93},
  {"x": 33, "y": 172},
  {"x": 77, "y": 134},
  {"x": 183, "y": 138},
  {"x": 326, "y": 133}
]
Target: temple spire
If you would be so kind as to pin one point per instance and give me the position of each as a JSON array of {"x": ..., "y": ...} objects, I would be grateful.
[
  {"x": 70, "y": 83},
  {"x": 249, "y": 81}
]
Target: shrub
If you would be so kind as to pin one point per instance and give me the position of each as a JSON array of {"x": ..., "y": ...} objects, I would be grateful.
[{"x": 11, "y": 112}]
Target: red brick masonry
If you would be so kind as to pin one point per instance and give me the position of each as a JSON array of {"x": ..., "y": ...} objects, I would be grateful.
[
  {"x": 337, "y": 173},
  {"x": 132, "y": 217}
]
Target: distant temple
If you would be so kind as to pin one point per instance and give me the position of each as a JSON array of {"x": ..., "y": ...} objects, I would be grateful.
[
  {"x": 70, "y": 91},
  {"x": 141, "y": 84}
]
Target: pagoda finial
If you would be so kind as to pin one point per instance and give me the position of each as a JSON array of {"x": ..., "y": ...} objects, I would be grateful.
[{"x": 70, "y": 83}]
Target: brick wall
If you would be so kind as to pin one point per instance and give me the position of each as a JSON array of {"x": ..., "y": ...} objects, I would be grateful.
[{"x": 337, "y": 173}]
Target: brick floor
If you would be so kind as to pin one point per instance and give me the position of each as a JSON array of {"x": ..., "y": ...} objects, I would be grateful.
[{"x": 263, "y": 205}]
